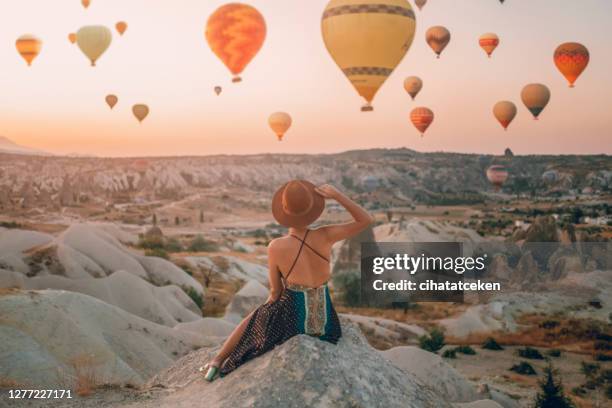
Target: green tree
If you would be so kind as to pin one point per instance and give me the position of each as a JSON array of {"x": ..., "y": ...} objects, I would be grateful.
[
  {"x": 154, "y": 219},
  {"x": 201, "y": 216},
  {"x": 551, "y": 394},
  {"x": 177, "y": 221},
  {"x": 432, "y": 342}
]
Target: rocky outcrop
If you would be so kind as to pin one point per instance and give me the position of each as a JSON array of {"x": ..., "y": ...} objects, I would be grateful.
[
  {"x": 47, "y": 336},
  {"x": 304, "y": 371},
  {"x": 166, "y": 305},
  {"x": 430, "y": 369}
]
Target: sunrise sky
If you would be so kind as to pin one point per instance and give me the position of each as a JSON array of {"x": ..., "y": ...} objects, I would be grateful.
[{"x": 163, "y": 60}]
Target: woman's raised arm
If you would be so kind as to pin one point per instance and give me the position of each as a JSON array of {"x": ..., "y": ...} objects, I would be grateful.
[{"x": 361, "y": 218}]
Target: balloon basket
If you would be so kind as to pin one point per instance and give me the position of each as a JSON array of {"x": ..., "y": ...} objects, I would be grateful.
[
  {"x": 571, "y": 86},
  {"x": 236, "y": 79},
  {"x": 280, "y": 138},
  {"x": 367, "y": 108}
]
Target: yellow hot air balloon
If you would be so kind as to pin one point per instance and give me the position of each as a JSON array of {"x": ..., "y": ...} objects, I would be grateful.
[
  {"x": 535, "y": 97},
  {"x": 111, "y": 100},
  {"x": 367, "y": 39},
  {"x": 121, "y": 26},
  {"x": 29, "y": 47},
  {"x": 438, "y": 38},
  {"x": 218, "y": 90},
  {"x": 279, "y": 122},
  {"x": 72, "y": 38},
  {"x": 488, "y": 42},
  {"x": 94, "y": 41},
  {"x": 497, "y": 175},
  {"x": 571, "y": 59},
  {"x": 420, "y": 3},
  {"x": 413, "y": 86},
  {"x": 85, "y": 3},
  {"x": 236, "y": 32},
  {"x": 421, "y": 118},
  {"x": 504, "y": 112},
  {"x": 141, "y": 111}
]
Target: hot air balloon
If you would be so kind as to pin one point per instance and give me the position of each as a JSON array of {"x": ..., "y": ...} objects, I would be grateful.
[
  {"x": 535, "y": 97},
  {"x": 421, "y": 118},
  {"x": 488, "y": 42},
  {"x": 420, "y": 3},
  {"x": 218, "y": 90},
  {"x": 504, "y": 112},
  {"x": 111, "y": 100},
  {"x": 367, "y": 39},
  {"x": 413, "y": 86},
  {"x": 85, "y": 3},
  {"x": 94, "y": 41},
  {"x": 438, "y": 38},
  {"x": 497, "y": 175},
  {"x": 235, "y": 33},
  {"x": 121, "y": 26},
  {"x": 72, "y": 38},
  {"x": 29, "y": 47},
  {"x": 571, "y": 59},
  {"x": 140, "y": 111},
  {"x": 279, "y": 122}
]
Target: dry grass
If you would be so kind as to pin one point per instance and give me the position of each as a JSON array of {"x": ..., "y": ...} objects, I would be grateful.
[
  {"x": 85, "y": 376},
  {"x": 218, "y": 295},
  {"x": 8, "y": 383}
]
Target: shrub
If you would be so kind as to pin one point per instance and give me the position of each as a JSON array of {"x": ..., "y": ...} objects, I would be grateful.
[
  {"x": 151, "y": 243},
  {"x": 465, "y": 350},
  {"x": 432, "y": 342},
  {"x": 10, "y": 224},
  {"x": 531, "y": 353},
  {"x": 200, "y": 244},
  {"x": 194, "y": 295},
  {"x": 450, "y": 353},
  {"x": 523, "y": 368},
  {"x": 602, "y": 357},
  {"x": 173, "y": 245},
  {"x": 491, "y": 344},
  {"x": 158, "y": 252},
  {"x": 554, "y": 353},
  {"x": 551, "y": 394}
]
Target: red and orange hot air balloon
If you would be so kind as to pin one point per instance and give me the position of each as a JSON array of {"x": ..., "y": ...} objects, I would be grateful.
[
  {"x": 121, "y": 26},
  {"x": 488, "y": 42},
  {"x": 571, "y": 59},
  {"x": 421, "y": 118},
  {"x": 236, "y": 32},
  {"x": 72, "y": 38}
]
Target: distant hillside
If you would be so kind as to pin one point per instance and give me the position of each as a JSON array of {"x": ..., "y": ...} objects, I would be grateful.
[
  {"x": 10, "y": 147},
  {"x": 382, "y": 177}
]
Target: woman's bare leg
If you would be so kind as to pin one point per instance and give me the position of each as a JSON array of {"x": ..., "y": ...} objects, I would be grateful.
[{"x": 231, "y": 342}]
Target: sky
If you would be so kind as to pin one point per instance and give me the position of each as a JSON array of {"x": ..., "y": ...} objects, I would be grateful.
[{"x": 164, "y": 61}]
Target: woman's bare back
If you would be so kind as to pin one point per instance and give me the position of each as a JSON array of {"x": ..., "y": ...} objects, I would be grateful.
[{"x": 312, "y": 268}]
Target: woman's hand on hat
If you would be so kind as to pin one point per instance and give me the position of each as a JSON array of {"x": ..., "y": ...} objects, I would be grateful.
[{"x": 328, "y": 191}]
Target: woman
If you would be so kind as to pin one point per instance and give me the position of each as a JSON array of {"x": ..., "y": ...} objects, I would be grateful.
[{"x": 299, "y": 269}]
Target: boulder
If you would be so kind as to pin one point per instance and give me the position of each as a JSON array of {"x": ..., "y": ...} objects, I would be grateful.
[
  {"x": 434, "y": 372},
  {"x": 250, "y": 296},
  {"x": 304, "y": 371}
]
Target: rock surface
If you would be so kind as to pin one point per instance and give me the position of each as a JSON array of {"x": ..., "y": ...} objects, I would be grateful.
[
  {"x": 45, "y": 336},
  {"x": 350, "y": 374},
  {"x": 168, "y": 305},
  {"x": 430, "y": 369}
]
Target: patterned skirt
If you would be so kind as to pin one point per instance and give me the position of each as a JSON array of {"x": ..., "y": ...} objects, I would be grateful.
[{"x": 299, "y": 310}]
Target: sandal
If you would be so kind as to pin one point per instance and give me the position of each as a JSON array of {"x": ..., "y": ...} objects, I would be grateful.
[{"x": 212, "y": 372}]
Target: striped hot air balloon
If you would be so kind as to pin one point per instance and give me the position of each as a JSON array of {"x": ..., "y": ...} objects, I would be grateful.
[
  {"x": 28, "y": 47},
  {"x": 421, "y": 118},
  {"x": 488, "y": 42},
  {"x": 571, "y": 59},
  {"x": 235, "y": 33},
  {"x": 367, "y": 39},
  {"x": 497, "y": 175}
]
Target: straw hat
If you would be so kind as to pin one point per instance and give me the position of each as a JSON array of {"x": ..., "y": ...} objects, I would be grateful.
[{"x": 297, "y": 204}]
